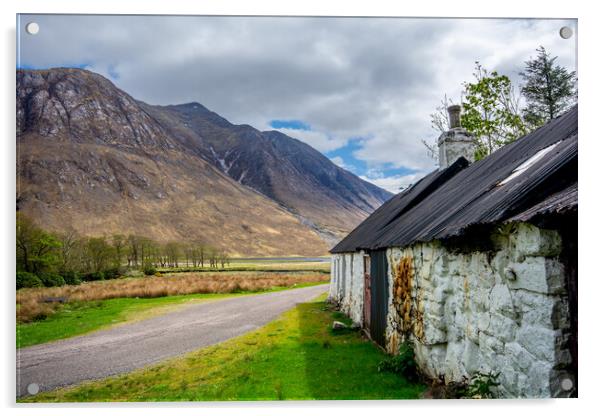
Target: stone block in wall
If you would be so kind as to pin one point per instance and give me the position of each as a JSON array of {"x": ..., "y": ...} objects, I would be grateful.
[
  {"x": 538, "y": 274},
  {"x": 471, "y": 357},
  {"x": 502, "y": 327},
  {"x": 477, "y": 300},
  {"x": 508, "y": 377},
  {"x": 439, "y": 294},
  {"x": 394, "y": 255},
  {"x": 454, "y": 365},
  {"x": 499, "y": 265},
  {"x": 540, "y": 342},
  {"x": 428, "y": 265},
  {"x": 500, "y": 301},
  {"x": 521, "y": 358},
  {"x": 440, "y": 268},
  {"x": 538, "y": 384},
  {"x": 478, "y": 268},
  {"x": 483, "y": 320},
  {"x": 490, "y": 347},
  {"x": 522, "y": 385},
  {"x": 538, "y": 309},
  {"x": 529, "y": 240},
  {"x": 431, "y": 359},
  {"x": 434, "y": 332},
  {"x": 434, "y": 310}
]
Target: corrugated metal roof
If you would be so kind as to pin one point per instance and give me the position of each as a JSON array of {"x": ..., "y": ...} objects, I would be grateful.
[
  {"x": 559, "y": 203},
  {"x": 445, "y": 203}
]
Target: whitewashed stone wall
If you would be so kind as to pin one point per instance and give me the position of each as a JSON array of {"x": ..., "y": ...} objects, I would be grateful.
[
  {"x": 504, "y": 310},
  {"x": 347, "y": 284}
]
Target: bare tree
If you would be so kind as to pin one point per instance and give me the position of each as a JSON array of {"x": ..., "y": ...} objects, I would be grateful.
[
  {"x": 118, "y": 241},
  {"x": 440, "y": 123},
  {"x": 224, "y": 258},
  {"x": 70, "y": 251},
  {"x": 172, "y": 250}
]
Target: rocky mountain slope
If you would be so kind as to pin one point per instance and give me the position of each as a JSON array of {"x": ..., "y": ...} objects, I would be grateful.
[{"x": 93, "y": 158}]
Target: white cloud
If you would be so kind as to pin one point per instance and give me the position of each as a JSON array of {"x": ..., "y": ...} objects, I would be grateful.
[
  {"x": 378, "y": 79},
  {"x": 337, "y": 160},
  {"x": 316, "y": 139},
  {"x": 395, "y": 183}
]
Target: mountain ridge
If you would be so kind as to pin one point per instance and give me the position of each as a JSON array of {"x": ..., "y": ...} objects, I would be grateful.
[{"x": 173, "y": 169}]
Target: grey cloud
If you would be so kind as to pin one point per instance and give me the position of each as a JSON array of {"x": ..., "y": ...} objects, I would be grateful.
[{"x": 347, "y": 77}]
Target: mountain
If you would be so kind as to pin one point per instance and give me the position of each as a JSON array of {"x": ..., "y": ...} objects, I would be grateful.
[
  {"x": 92, "y": 158},
  {"x": 284, "y": 169}
]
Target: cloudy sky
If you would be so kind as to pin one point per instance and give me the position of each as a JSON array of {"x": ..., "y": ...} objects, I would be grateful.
[{"x": 360, "y": 90}]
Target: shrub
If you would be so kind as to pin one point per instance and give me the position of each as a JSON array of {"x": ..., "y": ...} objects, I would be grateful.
[
  {"x": 403, "y": 364},
  {"x": 133, "y": 273},
  {"x": 52, "y": 279},
  {"x": 71, "y": 278},
  {"x": 90, "y": 277},
  {"x": 26, "y": 279},
  {"x": 149, "y": 270},
  {"x": 112, "y": 273},
  {"x": 482, "y": 385}
]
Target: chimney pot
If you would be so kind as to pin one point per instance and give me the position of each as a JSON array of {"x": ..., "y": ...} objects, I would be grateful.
[
  {"x": 456, "y": 142},
  {"x": 454, "y": 115}
]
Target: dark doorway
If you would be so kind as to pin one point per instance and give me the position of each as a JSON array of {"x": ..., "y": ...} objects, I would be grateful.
[
  {"x": 379, "y": 296},
  {"x": 367, "y": 293}
]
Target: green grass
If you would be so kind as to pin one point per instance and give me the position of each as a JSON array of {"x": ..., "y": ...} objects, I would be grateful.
[
  {"x": 296, "y": 357},
  {"x": 77, "y": 318}
]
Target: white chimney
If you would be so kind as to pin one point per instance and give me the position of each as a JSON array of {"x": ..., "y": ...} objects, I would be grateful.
[{"x": 456, "y": 142}]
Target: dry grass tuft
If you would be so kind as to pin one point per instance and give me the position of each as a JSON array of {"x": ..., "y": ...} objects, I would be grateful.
[{"x": 31, "y": 304}]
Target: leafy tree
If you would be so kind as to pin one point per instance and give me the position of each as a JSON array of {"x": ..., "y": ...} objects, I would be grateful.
[
  {"x": 491, "y": 111},
  {"x": 98, "y": 254},
  {"x": 37, "y": 250},
  {"x": 549, "y": 89}
]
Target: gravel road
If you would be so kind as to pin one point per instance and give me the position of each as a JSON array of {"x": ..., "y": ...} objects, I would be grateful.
[{"x": 128, "y": 347}]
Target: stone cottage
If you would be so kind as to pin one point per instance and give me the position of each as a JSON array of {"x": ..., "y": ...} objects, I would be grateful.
[{"x": 476, "y": 264}]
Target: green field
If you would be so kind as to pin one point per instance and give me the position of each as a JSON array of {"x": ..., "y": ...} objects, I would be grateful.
[
  {"x": 296, "y": 357},
  {"x": 78, "y": 318}
]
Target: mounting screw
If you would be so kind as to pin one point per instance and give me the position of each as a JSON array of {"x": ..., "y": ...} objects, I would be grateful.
[
  {"x": 32, "y": 28},
  {"x": 566, "y": 384},
  {"x": 566, "y": 32},
  {"x": 33, "y": 388}
]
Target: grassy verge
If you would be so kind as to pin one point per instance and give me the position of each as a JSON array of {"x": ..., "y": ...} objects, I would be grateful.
[
  {"x": 77, "y": 318},
  {"x": 296, "y": 357}
]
